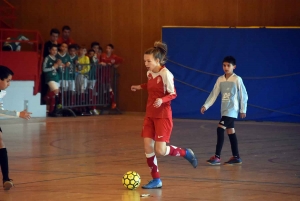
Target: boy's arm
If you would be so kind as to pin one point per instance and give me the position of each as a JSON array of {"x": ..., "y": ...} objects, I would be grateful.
[
  {"x": 243, "y": 96},
  {"x": 10, "y": 113},
  {"x": 212, "y": 96},
  {"x": 45, "y": 69}
]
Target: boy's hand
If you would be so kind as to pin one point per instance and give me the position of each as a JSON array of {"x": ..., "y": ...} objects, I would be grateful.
[
  {"x": 203, "y": 109},
  {"x": 243, "y": 115},
  {"x": 136, "y": 87},
  {"x": 55, "y": 65},
  {"x": 68, "y": 64},
  {"x": 103, "y": 64},
  {"x": 25, "y": 115},
  {"x": 157, "y": 102}
]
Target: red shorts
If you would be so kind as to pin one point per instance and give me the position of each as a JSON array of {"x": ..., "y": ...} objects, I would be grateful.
[{"x": 159, "y": 129}]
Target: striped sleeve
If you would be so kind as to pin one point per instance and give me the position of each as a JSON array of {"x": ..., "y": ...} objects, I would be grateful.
[{"x": 45, "y": 65}]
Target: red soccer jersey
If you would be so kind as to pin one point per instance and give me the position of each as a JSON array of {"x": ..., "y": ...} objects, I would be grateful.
[
  {"x": 104, "y": 58},
  {"x": 160, "y": 85},
  {"x": 69, "y": 41}
]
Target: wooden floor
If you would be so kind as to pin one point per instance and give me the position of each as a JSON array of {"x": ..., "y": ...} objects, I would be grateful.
[{"x": 84, "y": 158}]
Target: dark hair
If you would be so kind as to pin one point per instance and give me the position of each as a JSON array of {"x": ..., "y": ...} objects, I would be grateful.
[
  {"x": 73, "y": 46},
  {"x": 91, "y": 50},
  {"x": 54, "y": 31},
  {"x": 230, "y": 59},
  {"x": 52, "y": 45},
  {"x": 159, "y": 51},
  {"x": 111, "y": 45},
  {"x": 66, "y": 27},
  {"x": 100, "y": 48},
  {"x": 94, "y": 43},
  {"x": 5, "y": 72}
]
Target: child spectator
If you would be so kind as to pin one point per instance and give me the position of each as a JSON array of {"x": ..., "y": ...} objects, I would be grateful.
[
  {"x": 51, "y": 69},
  {"x": 82, "y": 70},
  {"x": 98, "y": 50},
  {"x": 64, "y": 75},
  {"x": 54, "y": 33},
  {"x": 74, "y": 61},
  {"x": 110, "y": 59},
  {"x": 65, "y": 38},
  {"x": 92, "y": 81},
  {"x": 13, "y": 44}
]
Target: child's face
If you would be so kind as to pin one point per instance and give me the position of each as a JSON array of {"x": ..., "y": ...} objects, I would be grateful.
[
  {"x": 5, "y": 83},
  {"x": 82, "y": 51},
  {"x": 53, "y": 37},
  {"x": 150, "y": 62},
  {"x": 72, "y": 52},
  {"x": 53, "y": 51},
  {"x": 228, "y": 68},
  {"x": 66, "y": 33},
  {"x": 64, "y": 48},
  {"x": 96, "y": 48},
  {"x": 91, "y": 54},
  {"x": 109, "y": 50}
]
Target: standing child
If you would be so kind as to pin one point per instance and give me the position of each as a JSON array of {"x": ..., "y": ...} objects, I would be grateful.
[
  {"x": 98, "y": 50},
  {"x": 158, "y": 122},
  {"x": 92, "y": 81},
  {"x": 65, "y": 83},
  {"x": 74, "y": 61},
  {"x": 234, "y": 94},
  {"x": 50, "y": 69},
  {"x": 5, "y": 78},
  {"x": 109, "y": 59},
  {"x": 82, "y": 70}
]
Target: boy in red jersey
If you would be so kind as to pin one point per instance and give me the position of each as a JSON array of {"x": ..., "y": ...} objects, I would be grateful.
[
  {"x": 158, "y": 122},
  {"x": 109, "y": 59},
  {"x": 65, "y": 38}
]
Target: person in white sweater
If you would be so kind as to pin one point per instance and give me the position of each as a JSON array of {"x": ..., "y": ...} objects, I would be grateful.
[{"x": 234, "y": 101}]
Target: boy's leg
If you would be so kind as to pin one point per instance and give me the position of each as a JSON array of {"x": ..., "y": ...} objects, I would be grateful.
[
  {"x": 235, "y": 159},
  {"x": 7, "y": 183}
]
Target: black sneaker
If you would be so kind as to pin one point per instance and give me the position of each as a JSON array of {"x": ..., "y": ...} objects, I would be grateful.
[{"x": 234, "y": 161}]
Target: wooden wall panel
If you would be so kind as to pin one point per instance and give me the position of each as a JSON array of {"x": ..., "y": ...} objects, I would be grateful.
[
  {"x": 133, "y": 25},
  {"x": 127, "y": 37}
]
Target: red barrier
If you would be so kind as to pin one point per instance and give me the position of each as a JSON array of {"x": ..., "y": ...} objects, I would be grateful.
[{"x": 27, "y": 63}]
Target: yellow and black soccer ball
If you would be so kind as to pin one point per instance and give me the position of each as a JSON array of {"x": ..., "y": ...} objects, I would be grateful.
[{"x": 131, "y": 180}]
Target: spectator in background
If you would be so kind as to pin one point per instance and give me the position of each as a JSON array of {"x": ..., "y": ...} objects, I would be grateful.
[
  {"x": 74, "y": 61},
  {"x": 64, "y": 74},
  {"x": 65, "y": 36},
  {"x": 92, "y": 81},
  {"x": 14, "y": 44},
  {"x": 51, "y": 70},
  {"x": 54, "y": 33},
  {"x": 82, "y": 71},
  {"x": 97, "y": 48},
  {"x": 110, "y": 59}
]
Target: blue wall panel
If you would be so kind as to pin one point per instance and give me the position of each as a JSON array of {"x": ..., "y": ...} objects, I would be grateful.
[{"x": 268, "y": 60}]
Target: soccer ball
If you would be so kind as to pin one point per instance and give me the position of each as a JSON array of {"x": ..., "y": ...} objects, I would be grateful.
[{"x": 131, "y": 180}]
